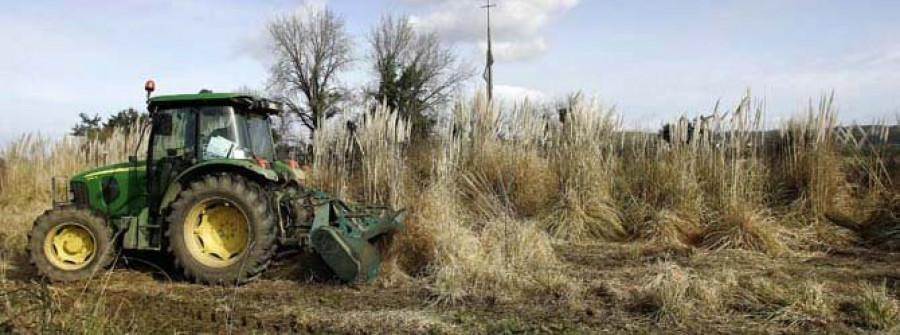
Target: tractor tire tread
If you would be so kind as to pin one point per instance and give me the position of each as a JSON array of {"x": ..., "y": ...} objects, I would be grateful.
[
  {"x": 103, "y": 234},
  {"x": 262, "y": 222}
]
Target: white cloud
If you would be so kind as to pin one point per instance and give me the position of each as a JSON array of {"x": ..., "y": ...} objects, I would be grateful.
[
  {"x": 517, "y": 94},
  {"x": 518, "y": 26},
  {"x": 519, "y": 50}
]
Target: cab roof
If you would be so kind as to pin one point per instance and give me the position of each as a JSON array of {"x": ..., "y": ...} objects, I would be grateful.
[
  {"x": 207, "y": 98},
  {"x": 198, "y": 96}
]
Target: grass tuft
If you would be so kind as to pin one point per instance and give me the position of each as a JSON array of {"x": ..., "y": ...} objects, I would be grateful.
[
  {"x": 876, "y": 309},
  {"x": 744, "y": 229}
]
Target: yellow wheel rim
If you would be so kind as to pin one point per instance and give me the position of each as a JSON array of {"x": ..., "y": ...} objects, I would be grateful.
[
  {"x": 216, "y": 232},
  {"x": 70, "y": 246}
]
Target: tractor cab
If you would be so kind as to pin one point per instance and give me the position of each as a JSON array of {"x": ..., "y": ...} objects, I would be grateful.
[
  {"x": 207, "y": 125},
  {"x": 206, "y": 128}
]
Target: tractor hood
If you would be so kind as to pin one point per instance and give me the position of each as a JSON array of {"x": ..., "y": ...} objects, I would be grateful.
[
  {"x": 108, "y": 170},
  {"x": 116, "y": 190}
]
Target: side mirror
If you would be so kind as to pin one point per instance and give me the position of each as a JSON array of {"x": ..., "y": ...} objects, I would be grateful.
[
  {"x": 268, "y": 106},
  {"x": 162, "y": 124}
]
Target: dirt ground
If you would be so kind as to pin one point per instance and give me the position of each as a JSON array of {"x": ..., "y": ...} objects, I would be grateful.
[{"x": 142, "y": 295}]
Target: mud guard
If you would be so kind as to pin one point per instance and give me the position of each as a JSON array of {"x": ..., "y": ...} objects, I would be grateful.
[{"x": 341, "y": 234}]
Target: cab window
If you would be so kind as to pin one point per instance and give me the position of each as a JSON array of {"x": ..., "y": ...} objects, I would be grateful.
[
  {"x": 223, "y": 134},
  {"x": 175, "y": 133}
]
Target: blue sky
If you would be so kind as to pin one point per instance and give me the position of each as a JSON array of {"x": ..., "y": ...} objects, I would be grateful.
[{"x": 653, "y": 59}]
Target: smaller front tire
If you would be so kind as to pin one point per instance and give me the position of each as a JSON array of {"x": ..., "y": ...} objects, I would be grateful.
[{"x": 70, "y": 244}]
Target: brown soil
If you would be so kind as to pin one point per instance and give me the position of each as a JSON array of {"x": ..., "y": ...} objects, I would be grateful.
[{"x": 140, "y": 297}]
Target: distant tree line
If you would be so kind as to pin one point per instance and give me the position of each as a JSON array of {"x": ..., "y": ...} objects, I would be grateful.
[{"x": 94, "y": 127}]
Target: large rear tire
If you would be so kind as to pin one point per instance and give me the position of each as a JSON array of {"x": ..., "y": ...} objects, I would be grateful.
[
  {"x": 222, "y": 230},
  {"x": 70, "y": 244}
]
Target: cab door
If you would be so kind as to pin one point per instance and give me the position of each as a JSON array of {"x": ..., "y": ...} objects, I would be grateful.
[{"x": 173, "y": 149}]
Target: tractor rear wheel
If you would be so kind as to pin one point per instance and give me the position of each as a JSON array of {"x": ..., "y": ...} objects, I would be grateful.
[
  {"x": 222, "y": 230},
  {"x": 70, "y": 244}
]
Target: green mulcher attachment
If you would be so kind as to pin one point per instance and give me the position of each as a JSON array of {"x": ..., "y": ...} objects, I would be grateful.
[{"x": 343, "y": 235}]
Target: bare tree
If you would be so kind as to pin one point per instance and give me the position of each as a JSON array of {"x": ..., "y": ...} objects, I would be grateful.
[
  {"x": 311, "y": 48},
  {"x": 416, "y": 72}
]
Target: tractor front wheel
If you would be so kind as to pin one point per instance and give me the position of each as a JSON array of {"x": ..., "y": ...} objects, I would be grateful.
[
  {"x": 221, "y": 230},
  {"x": 70, "y": 244}
]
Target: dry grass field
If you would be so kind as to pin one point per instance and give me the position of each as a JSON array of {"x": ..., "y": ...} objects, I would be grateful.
[{"x": 521, "y": 223}]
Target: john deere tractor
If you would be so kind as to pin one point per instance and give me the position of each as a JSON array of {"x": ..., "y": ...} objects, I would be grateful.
[{"x": 211, "y": 193}]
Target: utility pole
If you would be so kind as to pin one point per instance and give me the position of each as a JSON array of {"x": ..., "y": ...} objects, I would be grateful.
[{"x": 489, "y": 67}]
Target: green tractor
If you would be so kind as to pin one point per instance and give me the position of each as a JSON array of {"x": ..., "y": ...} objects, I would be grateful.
[{"x": 212, "y": 194}]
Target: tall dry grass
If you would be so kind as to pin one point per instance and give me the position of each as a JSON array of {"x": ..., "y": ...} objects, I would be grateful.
[
  {"x": 582, "y": 150},
  {"x": 364, "y": 158},
  {"x": 491, "y": 179},
  {"x": 473, "y": 231},
  {"x": 495, "y": 187},
  {"x": 706, "y": 186}
]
